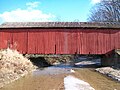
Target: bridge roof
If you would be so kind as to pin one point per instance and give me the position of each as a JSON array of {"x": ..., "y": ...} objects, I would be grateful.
[{"x": 59, "y": 25}]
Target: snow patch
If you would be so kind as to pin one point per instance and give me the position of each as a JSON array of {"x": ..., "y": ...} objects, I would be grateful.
[
  {"x": 72, "y": 71},
  {"x": 72, "y": 83},
  {"x": 111, "y": 72}
]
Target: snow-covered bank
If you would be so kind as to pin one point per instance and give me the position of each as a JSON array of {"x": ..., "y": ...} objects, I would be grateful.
[
  {"x": 72, "y": 83},
  {"x": 109, "y": 71}
]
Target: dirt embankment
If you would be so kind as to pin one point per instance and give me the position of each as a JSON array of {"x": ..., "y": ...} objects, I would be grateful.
[
  {"x": 13, "y": 66},
  {"x": 59, "y": 59}
]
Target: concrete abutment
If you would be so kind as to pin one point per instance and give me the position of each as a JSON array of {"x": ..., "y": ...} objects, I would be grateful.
[{"x": 111, "y": 59}]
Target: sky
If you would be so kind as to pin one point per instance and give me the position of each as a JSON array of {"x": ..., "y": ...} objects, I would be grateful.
[{"x": 45, "y": 10}]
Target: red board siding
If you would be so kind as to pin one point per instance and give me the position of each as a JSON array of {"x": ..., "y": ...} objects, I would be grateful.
[
  {"x": 60, "y": 41},
  {"x": 41, "y": 42},
  {"x": 5, "y": 39},
  {"x": 19, "y": 41}
]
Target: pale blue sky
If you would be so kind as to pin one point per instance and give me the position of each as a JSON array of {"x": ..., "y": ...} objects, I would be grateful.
[{"x": 45, "y": 10}]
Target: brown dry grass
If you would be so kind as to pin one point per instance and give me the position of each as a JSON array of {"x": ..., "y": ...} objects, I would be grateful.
[{"x": 12, "y": 66}]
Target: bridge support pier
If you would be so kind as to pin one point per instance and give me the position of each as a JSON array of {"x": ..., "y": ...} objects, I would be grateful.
[{"x": 112, "y": 59}]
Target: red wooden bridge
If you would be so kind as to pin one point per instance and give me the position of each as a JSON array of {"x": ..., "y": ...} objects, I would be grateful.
[{"x": 60, "y": 37}]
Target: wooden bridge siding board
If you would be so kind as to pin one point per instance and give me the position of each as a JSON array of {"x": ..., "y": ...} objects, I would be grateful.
[
  {"x": 2, "y": 45},
  {"x": 52, "y": 42},
  {"x": 83, "y": 37},
  {"x": 84, "y": 43},
  {"x": 31, "y": 42},
  {"x": 87, "y": 49},
  {"x": 65, "y": 42},
  {"x": 112, "y": 39},
  {"x": 104, "y": 41},
  {"x": 100, "y": 42},
  {"x": 36, "y": 42},
  {"x": 39, "y": 42},
  {"x": 81, "y": 42},
  {"x": 62, "y": 42},
  {"x": 111, "y": 45},
  {"x": 66, "y": 47},
  {"x": 104, "y": 48},
  {"x": 87, "y": 42},
  {"x": 6, "y": 38},
  {"x": 46, "y": 41},
  {"x": 57, "y": 41},
  {"x": 1, "y": 40},
  {"x": 119, "y": 39},
  {"x": 108, "y": 43},
  {"x": 42, "y": 42},
  {"x": 116, "y": 39},
  {"x": 69, "y": 42},
  {"x": 73, "y": 42},
  {"x": 92, "y": 42},
  {"x": 109, "y": 38},
  {"x": 96, "y": 42},
  {"x": 49, "y": 42},
  {"x": 19, "y": 41},
  {"x": 78, "y": 42}
]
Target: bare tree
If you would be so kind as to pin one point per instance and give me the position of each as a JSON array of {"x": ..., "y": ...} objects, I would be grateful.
[{"x": 106, "y": 11}]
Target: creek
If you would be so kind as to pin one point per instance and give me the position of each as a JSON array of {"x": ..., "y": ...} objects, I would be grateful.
[{"x": 51, "y": 78}]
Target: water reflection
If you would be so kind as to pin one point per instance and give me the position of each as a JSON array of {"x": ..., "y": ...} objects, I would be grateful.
[{"x": 53, "y": 70}]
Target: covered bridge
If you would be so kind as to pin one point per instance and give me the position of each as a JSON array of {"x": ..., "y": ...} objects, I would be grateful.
[{"x": 60, "y": 37}]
